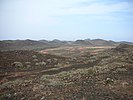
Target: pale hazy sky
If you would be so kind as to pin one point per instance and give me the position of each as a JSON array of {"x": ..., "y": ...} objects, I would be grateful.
[{"x": 66, "y": 19}]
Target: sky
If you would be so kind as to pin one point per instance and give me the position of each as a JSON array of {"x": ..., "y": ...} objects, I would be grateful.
[{"x": 66, "y": 19}]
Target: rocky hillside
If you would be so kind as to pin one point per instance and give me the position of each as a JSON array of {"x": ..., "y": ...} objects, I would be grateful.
[
  {"x": 43, "y": 44},
  {"x": 22, "y": 45}
]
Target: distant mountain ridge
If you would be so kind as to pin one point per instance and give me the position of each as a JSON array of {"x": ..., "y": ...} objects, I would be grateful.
[
  {"x": 42, "y": 44},
  {"x": 22, "y": 45}
]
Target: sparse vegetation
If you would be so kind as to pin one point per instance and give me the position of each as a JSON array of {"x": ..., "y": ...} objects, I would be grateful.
[
  {"x": 17, "y": 64},
  {"x": 107, "y": 74}
]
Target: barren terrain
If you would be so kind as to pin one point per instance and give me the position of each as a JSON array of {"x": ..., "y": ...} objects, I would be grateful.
[{"x": 67, "y": 73}]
